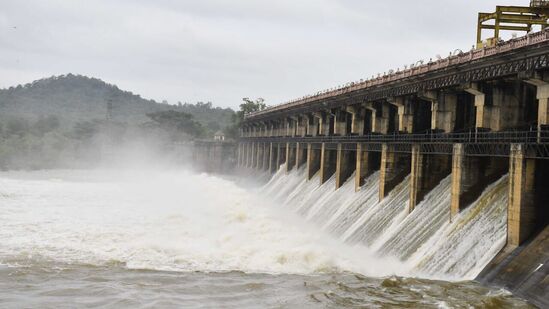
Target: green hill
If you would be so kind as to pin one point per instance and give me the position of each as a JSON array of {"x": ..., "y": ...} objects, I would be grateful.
[
  {"x": 61, "y": 122},
  {"x": 74, "y": 98}
]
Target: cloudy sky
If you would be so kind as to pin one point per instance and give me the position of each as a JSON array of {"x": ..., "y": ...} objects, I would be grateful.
[{"x": 223, "y": 50}]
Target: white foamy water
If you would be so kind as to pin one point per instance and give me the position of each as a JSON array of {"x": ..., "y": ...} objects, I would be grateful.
[
  {"x": 424, "y": 241},
  {"x": 155, "y": 239},
  {"x": 163, "y": 221},
  {"x": 462, "y": 248}
]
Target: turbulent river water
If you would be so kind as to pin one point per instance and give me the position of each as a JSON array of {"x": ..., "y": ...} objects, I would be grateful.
[{"x": 172, "y": 238}]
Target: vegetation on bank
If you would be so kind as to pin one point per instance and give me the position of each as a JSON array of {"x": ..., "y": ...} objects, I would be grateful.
[
  {"x": 248, "y": 106},
  {"x": 74, "y": 98},
  {"x": 73, "y": 120}
]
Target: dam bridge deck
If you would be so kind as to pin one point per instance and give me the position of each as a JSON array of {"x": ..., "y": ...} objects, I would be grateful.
[{"x": 477, "y": 143}]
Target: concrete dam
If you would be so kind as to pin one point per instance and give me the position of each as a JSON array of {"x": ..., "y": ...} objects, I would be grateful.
[{"x": 442, "y": 166}]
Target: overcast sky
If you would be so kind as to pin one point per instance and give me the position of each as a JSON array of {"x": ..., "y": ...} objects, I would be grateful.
[{"x": 223, "y": 50}]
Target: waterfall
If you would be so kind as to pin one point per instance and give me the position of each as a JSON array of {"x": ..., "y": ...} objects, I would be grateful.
[
  {"x": 366, "y": 198},
  {"x": 380, "y": 216},
  {"x": 425, "y": 240},
  {"x": 420, "y": 225},
  {"x": 473, "y": 238}
]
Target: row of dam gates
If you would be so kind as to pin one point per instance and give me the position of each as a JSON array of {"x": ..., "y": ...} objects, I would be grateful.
[{"x": 475, "y": 116}]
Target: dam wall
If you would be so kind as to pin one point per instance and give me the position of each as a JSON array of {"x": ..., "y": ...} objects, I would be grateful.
[
  {"x": 215, "y": 156},
  {"x": 464, "y": 122}
]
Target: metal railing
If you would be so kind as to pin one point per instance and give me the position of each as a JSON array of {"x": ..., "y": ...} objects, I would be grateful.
[
  {"x": 392, "y": 76},
  {"x": 471, "y": 137}
]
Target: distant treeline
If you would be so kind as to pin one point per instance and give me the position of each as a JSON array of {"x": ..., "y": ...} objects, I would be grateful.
[
  {"x": 75, "y": 121},
  {"x": 74, "y": 98},
  {"x": 46, "y": 143}
]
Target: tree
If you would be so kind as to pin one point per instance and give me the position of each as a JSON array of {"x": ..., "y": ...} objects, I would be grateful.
[
  {"x": 17, "y": 126},
  {"x": 202, "y": 105},
  {"x": 177, "y": 123},
  {"x": 85, "y": 130},
  {"x": 249, "y": 106},
  {"x": 45, "y": 124}
]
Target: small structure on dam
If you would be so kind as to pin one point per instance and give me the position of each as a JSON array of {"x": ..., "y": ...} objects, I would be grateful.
[{"x": 474, "y": 116}]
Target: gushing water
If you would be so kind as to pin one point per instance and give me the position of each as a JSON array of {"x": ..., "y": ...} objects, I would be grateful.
[
  {"x": 474, "y": 237},
  {"x": 381, "y": 216},
  {"x": 164, "y": 221},
  {"x": 420, "y": 225},
  {"x": 175, "y": 239},
  {"x": 426, "y": 241}
]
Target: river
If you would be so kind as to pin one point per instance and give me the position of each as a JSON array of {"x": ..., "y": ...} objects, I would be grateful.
[{"x": 169, "y": 238}]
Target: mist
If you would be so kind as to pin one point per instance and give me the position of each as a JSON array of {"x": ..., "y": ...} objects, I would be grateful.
[
  {"x": 74, "y": 121},
  {"x": 165, "y": 219},
  {"x": 91, "y": 145}
]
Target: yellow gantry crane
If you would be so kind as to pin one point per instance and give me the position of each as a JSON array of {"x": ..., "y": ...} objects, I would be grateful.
[{"x": 513, "y": 18}]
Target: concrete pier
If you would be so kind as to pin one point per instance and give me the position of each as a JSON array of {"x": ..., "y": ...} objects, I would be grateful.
[
  {"x": 395, "y": 166},
  {"x": 327, "y": 163},
  {"x": 345, "y": 165},
  {"x": 543, "y": 106},
  {"x": 358, "y": 115},
  {"x": 239, "y": 155},
  {"x": 542, "y": 96},
  {"x": 273, "y": 160},
  {"x": 366, "y": 164},
  {"x": 340, "y": 125},
  {"x": 521, "y": 219},
  {"x": 482, "y": 117},
  {"x": 253, "y": 155},
  {"x": 259, "y": 157},
  {"x": 426, "y": 173},
  {"x": 313, "y": 161},
  {"x": 243, "y": 154},
  {"x": 528, "y": 195},
  {"x": 281, "y": 155},
  {"x": 248, "y": 162},
  {"x": 290, "y": 157},
  {"x": 266, "y": 157},
  {"x": 313, "y": 125},
  {"x": 300, "y": 154},
  {"x": 471, "y": 175}
]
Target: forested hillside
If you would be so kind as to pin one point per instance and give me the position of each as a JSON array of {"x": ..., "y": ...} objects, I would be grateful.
[
  {"x": 74, "y": 98},
  {"x": 77, "y": 121}
]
